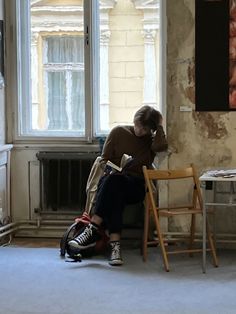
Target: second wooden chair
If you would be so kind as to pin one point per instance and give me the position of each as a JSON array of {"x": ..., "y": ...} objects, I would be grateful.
[{"x": 193, "y": 208}]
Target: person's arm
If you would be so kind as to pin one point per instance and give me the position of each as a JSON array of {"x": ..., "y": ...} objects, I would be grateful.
[
  {"x": 159, "y": 142},
  {"x": 108, "y": 148}
]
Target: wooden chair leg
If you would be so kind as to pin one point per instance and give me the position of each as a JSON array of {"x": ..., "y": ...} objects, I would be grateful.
[
  {"x": 192, "y": 233},
  {"x": 145, "y": 233},
  {"x": 161, "y": 242},
  {"x": 212, "y": 247}
]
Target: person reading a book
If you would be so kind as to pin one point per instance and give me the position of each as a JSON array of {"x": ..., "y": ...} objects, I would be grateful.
[{"x": 117, "y": 189}]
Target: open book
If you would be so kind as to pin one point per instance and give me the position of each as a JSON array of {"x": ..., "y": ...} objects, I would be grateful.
[{"x": 124, "y": 160}]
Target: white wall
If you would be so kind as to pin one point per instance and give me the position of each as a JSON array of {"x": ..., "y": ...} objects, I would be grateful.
[{"x": 3, "y": 154}]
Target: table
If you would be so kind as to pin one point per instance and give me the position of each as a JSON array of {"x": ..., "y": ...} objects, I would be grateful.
[{"x": 214, "y": 176}]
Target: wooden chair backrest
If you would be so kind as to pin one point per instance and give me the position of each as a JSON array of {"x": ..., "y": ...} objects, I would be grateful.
[
  {"x": 151, "y": 175},
  {"x": 156, "y": 174}
]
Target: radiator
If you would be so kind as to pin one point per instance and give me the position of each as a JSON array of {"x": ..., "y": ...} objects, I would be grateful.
[{"x": 63, "y": 178}]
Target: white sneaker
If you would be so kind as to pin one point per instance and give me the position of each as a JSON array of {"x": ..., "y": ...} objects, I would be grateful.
[{"x": 115, "y": 257}]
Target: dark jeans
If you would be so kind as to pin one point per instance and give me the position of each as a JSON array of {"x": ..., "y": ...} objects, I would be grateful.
[{"x": 114, "y": 192}]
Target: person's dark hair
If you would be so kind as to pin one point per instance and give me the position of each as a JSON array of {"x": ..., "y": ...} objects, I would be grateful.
[{"x": 148, "y": 117}]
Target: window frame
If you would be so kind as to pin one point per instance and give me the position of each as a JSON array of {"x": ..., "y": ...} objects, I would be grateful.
[
  {"x": 15, "y": 93},
  {"x": 18, "y": 58}
]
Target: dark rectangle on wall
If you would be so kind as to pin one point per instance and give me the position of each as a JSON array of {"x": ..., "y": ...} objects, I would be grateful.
[
  {"x": 2, "y": 47},
  {"x": 212, "y": 55}
]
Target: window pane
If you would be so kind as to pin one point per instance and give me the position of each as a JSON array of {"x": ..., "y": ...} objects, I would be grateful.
[
  {"x": 57, "y": 67},
  {"x": 77, "y": 101},
  {"x": 64, "y": 49},
  {"x": 57, "y": 115}
]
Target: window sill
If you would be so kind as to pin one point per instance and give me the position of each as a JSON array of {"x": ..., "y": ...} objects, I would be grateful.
[{"x": 93, "y": 148}]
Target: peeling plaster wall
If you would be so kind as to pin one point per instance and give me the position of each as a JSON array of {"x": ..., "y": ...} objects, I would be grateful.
[
  {"x": 2, "y": 118},
  {"x": 205, "y": 138}
]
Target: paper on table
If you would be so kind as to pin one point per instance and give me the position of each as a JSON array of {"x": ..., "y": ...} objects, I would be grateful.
[{"x": 229, "y": 173}]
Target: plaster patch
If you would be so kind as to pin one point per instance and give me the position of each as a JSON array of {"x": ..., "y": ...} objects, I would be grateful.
[
  {"x": 215, "y": 158},
  {"x": 211, "y": 123},
  {"x": 178, "y": 32},
  {"x": 190, "y": 93},
  {"x": 191, "y": 73}
]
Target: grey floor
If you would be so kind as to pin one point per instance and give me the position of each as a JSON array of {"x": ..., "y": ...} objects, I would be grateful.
[{"x": 37, "y": 280}]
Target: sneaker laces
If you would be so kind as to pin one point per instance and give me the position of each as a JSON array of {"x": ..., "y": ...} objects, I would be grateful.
[
  {"x": 85, "y": 235},
  {"x": 115, "y": 250}
]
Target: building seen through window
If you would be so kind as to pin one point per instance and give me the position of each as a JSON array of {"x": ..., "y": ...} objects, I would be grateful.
[{"x": 127, "y": 44}]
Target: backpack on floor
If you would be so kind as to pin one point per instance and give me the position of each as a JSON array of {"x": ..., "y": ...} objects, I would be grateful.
[
  {"x": 96, "y": 173},
  {"x": 74, "y": 230}
]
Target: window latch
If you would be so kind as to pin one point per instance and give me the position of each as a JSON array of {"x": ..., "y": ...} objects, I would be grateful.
[{"x": 87, "y": 36}]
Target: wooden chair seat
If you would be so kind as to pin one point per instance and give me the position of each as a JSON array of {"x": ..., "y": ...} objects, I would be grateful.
[{"x": 167, "y": 212}]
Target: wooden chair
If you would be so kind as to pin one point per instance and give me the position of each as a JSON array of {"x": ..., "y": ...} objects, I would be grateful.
[{"x": 195, "y": 207}]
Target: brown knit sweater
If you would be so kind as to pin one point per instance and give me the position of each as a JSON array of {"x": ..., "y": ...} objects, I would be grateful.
[{"x": 122, "y": 140}]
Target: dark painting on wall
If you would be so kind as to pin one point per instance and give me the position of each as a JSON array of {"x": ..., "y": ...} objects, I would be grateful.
[
  {"x": 215, "y": 78},
  {"x": 2, "y": 47},
  {"x": 1, "y": 53},
  {"x": 232, "y": 54}
]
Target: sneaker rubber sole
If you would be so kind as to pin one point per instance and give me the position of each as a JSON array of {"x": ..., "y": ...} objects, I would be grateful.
[
  {"x": 76, "y": 245},
  {"x": 116, "y": 262}
]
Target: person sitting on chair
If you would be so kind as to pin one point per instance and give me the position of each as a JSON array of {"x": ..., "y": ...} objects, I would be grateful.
[{"x": 141, "y": 141}]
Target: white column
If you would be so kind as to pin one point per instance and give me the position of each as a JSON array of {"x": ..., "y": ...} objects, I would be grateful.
[
  {"x": 150, "y": 83},
  {"x": 151, "y": 21},
  {"x": 104, "y": 79}
]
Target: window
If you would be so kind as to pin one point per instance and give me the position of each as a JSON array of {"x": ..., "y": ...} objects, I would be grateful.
[
  {"x": 63, "y": 79},
  {"x": 84, "y": 66},
  {"x": 51, "y": 50}
]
